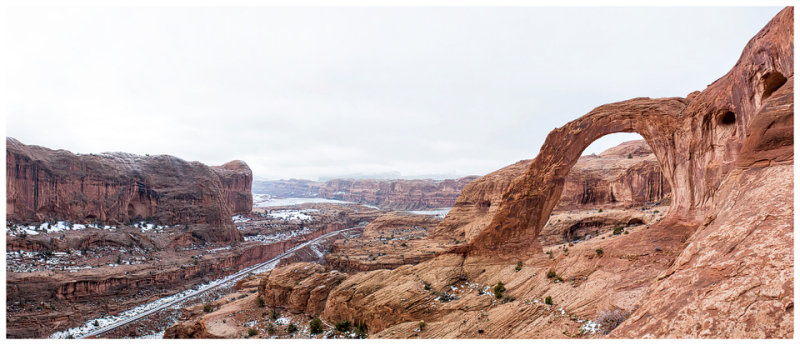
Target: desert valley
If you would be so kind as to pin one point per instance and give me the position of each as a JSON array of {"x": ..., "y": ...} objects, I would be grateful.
[{"x": 687, "y": 233}]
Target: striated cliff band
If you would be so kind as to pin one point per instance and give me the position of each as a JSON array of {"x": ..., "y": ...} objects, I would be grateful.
[
  {"x": 719, "y": 264},
  {"x": 120, "y": 188},
  {"x": 387, "y": 194}
]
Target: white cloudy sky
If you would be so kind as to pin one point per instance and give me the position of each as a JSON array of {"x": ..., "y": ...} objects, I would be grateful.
[{"x": 310, "y": 92}]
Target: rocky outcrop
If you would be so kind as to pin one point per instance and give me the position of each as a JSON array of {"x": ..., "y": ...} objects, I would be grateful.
[
  {"x": 114, "y": 188},
  {"x": 627, "y": 175},
  {"x": 388, "y": 194},
  {"x": 299, "y": 287},
  {"x": 237, "y": 180}
]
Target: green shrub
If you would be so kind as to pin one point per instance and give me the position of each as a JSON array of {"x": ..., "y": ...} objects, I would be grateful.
[
  {"x": 270, "y": 329},
  {"x": 548, "y": 300},
  {"x": 343, "y": 326},
  {"x": 599, "y": 251},
  {"x": 261, "y": 303},
  {"x": 207, "y": 308},
  {"x": 551, "y": 274},
  {"x": 96, "y": 323},
  {"x": 600, "y": 211},
  {"x": 550, "y": 253},
  {"x": 291, "y": 329},
  {"x": 618, "y": 229},
  {"x": 315, "y": 326},
  {"x": 499, "y": 289},
  {"x": 427, "y": 286},
  {"x": 421, "y": 325},
  {"x": 252, "y": 332},
  {"x": 519, "y": 266},
  {"x": 274, "y": 314}
]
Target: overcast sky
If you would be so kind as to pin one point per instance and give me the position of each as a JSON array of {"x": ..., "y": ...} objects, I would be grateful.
[{"x": 315, "y": 92}]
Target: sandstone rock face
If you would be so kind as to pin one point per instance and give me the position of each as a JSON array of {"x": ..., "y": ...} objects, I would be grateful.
[
  {"x": 299, "y": 287},
  {"x": 237, "y": 180},
  {"x": 388, "y": 194},
  {"x": 623, "y": 176},
  {"x": 115, "y": 188}
]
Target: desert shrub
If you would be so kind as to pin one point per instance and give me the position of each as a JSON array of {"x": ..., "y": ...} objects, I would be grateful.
[
  {"x": 519, "y": 266},
  {"x": 252, "y": 332},
  {"x": 274, "y": 314},
  {"x": 446, "y": 297},
  {"x": 403, "y": 244},
  {"x": 618, "y": 229},
  {"x": 260, "y": 302},
  {"x": 599, "y": 251},
  {"x": 291, "y": 329},
  {"x": 270, "y": 329},
  {"x": 207, "y": 308},
  {"x": 499, "y": 289},
  {"x": 548, "y": 300},
  {"x": 315, "y": 326},
  {"x": 421, "y": 325},
  {"x": 96, "y": 323},
  {"x": 343, "y": 326},
  {"x": 610, "y": 319},
  {"x": 361, "y": 329},
  {"x": 427, "y": 286},
  {"x": 600, "y": 210}
]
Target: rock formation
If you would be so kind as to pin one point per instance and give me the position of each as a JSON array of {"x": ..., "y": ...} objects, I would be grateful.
[
  {"x": 623, "y": 176},
  {"x": 237, "y": 179},
  {"x": 719, "y": 264},
  {"x": 388, "y": 194},
  {"x": 117, "y": 188}
]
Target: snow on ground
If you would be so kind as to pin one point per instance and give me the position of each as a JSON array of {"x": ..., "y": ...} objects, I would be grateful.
[
  {"x": 283, "y": 320},
  {"x": 264, "y": 200},
  {"x": 219, "y": 249},
  {"x": 439, "y": 212},
  {"x": 278, "y": 236},
  {"x": 60, "y": 226},
  {"x": 240, "y": 219},
  {"x": 291, "y": 214}
]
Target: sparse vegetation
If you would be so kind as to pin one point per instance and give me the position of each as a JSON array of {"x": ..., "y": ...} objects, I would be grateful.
[
  {"x": 315, "y": 326},
  {"x": 630, "y": 156},
  {"x": 446, "y": 297},
  {"x": 427, "y": 286},
  {"x": 207, "y": 308},
  {"x": 361, "y": 329},
  {"x": 421, "y": 325},
  {"x": 600, "y": 210},
  {"x": 343, "y": 326},
  {"x": 519, "y": 266},
  {"x": 618, "y": 229},
  {"x": 252, "y": 332},
  {"x": 499, "y": 289},
  {"x": 260, "y": 302},
  {"x": 551, "y": 274},
  {"x": 96, "y": 323},
  {"x": 599, "y": 251},
  {"x": 610, "y": 319},
  {"x": 270, "y": 329},
  {"x": 291, "y": 329},
  {"x": 274, "y": 315},
  {"x": 548, "y": 300},
  {"x": 550, "y": 253}
]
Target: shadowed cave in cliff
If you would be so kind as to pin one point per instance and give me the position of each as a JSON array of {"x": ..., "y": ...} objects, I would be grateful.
[{"x": 612, "y": 190}]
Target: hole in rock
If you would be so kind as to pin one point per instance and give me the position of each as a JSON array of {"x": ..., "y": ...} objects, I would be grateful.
[
  {"x": 770, "y": 82},
  {"x": 617, "y": 182},
  {"x": 727, "y": 118}
]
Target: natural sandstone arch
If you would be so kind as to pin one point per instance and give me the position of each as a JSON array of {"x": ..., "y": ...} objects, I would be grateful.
[
  {"x": 529, "y": 201},
  {"x": 696, "y": 140}
]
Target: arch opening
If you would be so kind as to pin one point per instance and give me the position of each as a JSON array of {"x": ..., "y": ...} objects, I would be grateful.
[
  {"x": 616, "y": 184},
  {"x": 771, "y": 82},
  {"x": 727, "y": 118}
]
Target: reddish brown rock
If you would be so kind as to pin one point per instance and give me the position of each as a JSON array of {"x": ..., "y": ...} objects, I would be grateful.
[
  {"x": 388, "y": 194},
  {"x": 627, "y": 175},
  {"x": 237, "y": 179},
  {"x": 115, "y": 188},
  {"x": 300, "y": 287}
]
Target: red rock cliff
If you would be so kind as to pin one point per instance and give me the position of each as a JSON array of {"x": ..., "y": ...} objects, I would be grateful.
[
  {"x": 237, "y": 180},
  {"x": 43, "y": 184}
]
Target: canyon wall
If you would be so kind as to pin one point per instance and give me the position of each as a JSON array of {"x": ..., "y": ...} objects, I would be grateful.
[
  {"x": 117, "y": 188},
  {"x": 387, "y": 194},
  {"x": 237, "y": 180}
]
